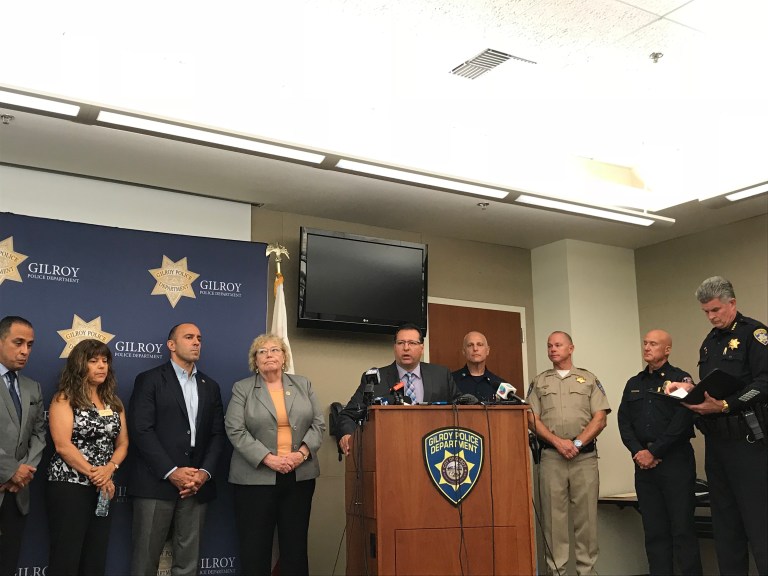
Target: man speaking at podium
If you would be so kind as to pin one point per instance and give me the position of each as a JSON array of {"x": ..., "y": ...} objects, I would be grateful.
[{"x": 422, "y": 382}]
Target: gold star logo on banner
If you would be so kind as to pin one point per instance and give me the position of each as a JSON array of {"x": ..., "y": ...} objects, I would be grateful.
[
  {"x": 82, "y": 330},
  {"x": 9, "y": 261},
  {"x": 174, "y": 280}
]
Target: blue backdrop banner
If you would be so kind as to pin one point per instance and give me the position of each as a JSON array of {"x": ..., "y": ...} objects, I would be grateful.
[{"x": 128, "y": 288}]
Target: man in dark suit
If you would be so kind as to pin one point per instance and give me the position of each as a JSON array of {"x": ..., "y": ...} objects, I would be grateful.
[
  {"x": 176, "y": 426},
  {"x": 422, "y": 382},
  {"x": 22, "y": 436}
]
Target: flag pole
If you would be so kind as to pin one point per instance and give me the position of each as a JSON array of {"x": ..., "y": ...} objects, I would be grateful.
[{"x": 279, "y": 313}]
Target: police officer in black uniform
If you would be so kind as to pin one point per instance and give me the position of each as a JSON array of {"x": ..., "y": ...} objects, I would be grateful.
[
  {"x": 475, "y": 378},
  {"x": 657, "y": 433},
  {"x": 736, "y": 454}
]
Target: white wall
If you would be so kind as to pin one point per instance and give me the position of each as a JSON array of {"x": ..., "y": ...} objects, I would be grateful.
[{"x": 63, "y": 197}]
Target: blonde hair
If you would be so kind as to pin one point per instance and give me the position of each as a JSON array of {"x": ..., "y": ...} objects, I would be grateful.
[{"x": 259, "y": 342}]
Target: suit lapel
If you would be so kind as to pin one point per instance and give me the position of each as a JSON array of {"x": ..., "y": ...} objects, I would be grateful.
[
  {"x": 174, "y": 386},
  {"x": 202, "y": 397},
  {"x": 390, "y": 376},
  {"x": 427, "y": 383},
  {"x": 289, "y": 392},
  {"x": 26, "y": 396},
  {"x": 6, "y": 396},
  {"x": 261, "y": 393}
]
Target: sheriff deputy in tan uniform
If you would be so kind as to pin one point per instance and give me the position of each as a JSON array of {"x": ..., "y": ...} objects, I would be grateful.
[{"x": 570, "y": 409}]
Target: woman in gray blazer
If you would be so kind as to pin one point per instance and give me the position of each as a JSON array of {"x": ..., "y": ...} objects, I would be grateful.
[{"x": 276, "y": 427}]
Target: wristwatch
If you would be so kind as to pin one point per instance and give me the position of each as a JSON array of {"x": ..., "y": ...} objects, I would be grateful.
[{"x": 578, "y": 444}]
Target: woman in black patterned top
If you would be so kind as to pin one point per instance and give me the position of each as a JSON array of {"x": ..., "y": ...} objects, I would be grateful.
[{"x": 87, "y": 422}]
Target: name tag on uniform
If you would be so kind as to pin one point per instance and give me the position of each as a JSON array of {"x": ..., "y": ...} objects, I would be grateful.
[{"x": 106, "y": 412}]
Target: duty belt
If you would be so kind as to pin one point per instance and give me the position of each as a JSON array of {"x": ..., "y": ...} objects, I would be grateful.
[
  {"x": 735, "y": 426},
  {"x": 586, "y": 449}
]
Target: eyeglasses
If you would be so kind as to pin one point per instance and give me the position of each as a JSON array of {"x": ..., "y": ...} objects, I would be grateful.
[
  {"x": 265, "y": 351},
  {"x": 410, "y": 343}
]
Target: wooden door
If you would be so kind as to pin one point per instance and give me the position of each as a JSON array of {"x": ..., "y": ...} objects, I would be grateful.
[{"x": 448, "y": 324}]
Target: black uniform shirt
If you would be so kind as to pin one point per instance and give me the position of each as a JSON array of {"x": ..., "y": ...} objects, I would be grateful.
[
  {"x": 742, "y": 351},
  {"x": 646, "y": 418},
  {"x": 481, "y": 387}
]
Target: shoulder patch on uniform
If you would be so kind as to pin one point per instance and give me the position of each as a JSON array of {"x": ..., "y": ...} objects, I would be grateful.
[
  {"x": 597, "y": 382},
  {"x": 761, "y": 335},
  {"x": 530, "y": 389}
]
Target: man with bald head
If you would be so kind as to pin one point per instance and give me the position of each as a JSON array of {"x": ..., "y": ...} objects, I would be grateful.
[
  {"x": 657, "y": 432},
  {"x": 475, "y": 378}
]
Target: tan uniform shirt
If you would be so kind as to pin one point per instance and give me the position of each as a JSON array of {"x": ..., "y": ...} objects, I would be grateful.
[{"x": 566, "y": 405}]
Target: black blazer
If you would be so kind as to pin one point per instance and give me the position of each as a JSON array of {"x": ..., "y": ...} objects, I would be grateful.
[
  {"x": 438, "y": 387},
  {"x": 158, "y": 428}
]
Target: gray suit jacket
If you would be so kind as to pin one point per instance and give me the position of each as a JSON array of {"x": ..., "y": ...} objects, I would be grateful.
[
  {"x": 251, "y": 424},
  {"x": 21, "y": 442}
]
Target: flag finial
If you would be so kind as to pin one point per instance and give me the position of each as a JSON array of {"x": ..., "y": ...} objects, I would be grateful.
[{"x": 278, "y": 250}]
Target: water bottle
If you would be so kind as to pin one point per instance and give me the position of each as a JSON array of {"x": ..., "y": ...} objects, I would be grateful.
[{"x": 102, "y": 506}]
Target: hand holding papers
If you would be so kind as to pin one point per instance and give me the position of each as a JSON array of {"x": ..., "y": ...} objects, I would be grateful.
[{"x": 717, "y": 384}]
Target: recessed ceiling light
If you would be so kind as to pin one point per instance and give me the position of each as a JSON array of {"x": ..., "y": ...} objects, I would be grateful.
[
  {"x": 36, "y": 103},
  {"x": 627, "y": 216},
  {"x": 413, "y": 177},
  {"x": 206, "y": 136}
]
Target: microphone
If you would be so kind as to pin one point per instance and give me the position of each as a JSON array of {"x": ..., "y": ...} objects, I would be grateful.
[
  {"x": 465, "y": 400},
  {"x": 396, "y": 391},
  {"x": 508, "y": 393},
  {"x": 371, "y": 377}
]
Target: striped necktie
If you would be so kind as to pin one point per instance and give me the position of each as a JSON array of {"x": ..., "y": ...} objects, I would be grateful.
[
  {"x": 14, "y": 395},
  {"x": 410, "y": 389}
]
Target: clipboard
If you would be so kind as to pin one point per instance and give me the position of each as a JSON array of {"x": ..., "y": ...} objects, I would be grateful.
[{"x": 717, "y": 383}]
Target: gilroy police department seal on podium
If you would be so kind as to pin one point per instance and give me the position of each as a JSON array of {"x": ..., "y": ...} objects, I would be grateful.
[{"x": 454, "y": 459}]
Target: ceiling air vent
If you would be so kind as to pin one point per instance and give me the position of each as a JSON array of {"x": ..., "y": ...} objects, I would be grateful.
[{"x": 484, "y": 62}]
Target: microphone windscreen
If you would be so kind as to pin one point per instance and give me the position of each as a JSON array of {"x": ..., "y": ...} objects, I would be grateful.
[{"x": 504, "y": 390}]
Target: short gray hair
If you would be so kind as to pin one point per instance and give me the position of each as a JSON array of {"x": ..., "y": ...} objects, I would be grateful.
[
  {"x": 715, "y": 287},
  {"x": 260, "y": 342}
]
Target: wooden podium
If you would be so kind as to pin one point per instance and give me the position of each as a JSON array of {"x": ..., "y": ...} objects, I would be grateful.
[{"x": 398, "y": 522}]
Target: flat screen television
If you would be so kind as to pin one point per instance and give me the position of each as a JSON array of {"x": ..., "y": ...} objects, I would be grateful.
[{"x": 359, "y": 283}]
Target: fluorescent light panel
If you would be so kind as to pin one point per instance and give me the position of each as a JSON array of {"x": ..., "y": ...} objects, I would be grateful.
[
  {"x": 205, "y": 136},
  {"x": 753, "y": 191},
  {"x": 394, "y": 174},
  {"x": 586, "y": 210},
  {"x": 39, "y": 103}
]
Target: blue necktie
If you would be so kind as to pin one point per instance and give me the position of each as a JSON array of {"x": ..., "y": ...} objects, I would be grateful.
[
  {"x": 14, "y": 395},
  {"x": 410, "y": 389}
]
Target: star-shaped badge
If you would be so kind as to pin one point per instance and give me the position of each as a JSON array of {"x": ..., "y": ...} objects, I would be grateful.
[
  {"x": 580, "y": 380},
  {"x": 734, "y": 343},
  {"x": 454, "y": 469},
  {"x": 82, "y": 330},
  {"x": 9, "y": 261},
  {"x": 174, "y": 280}
]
